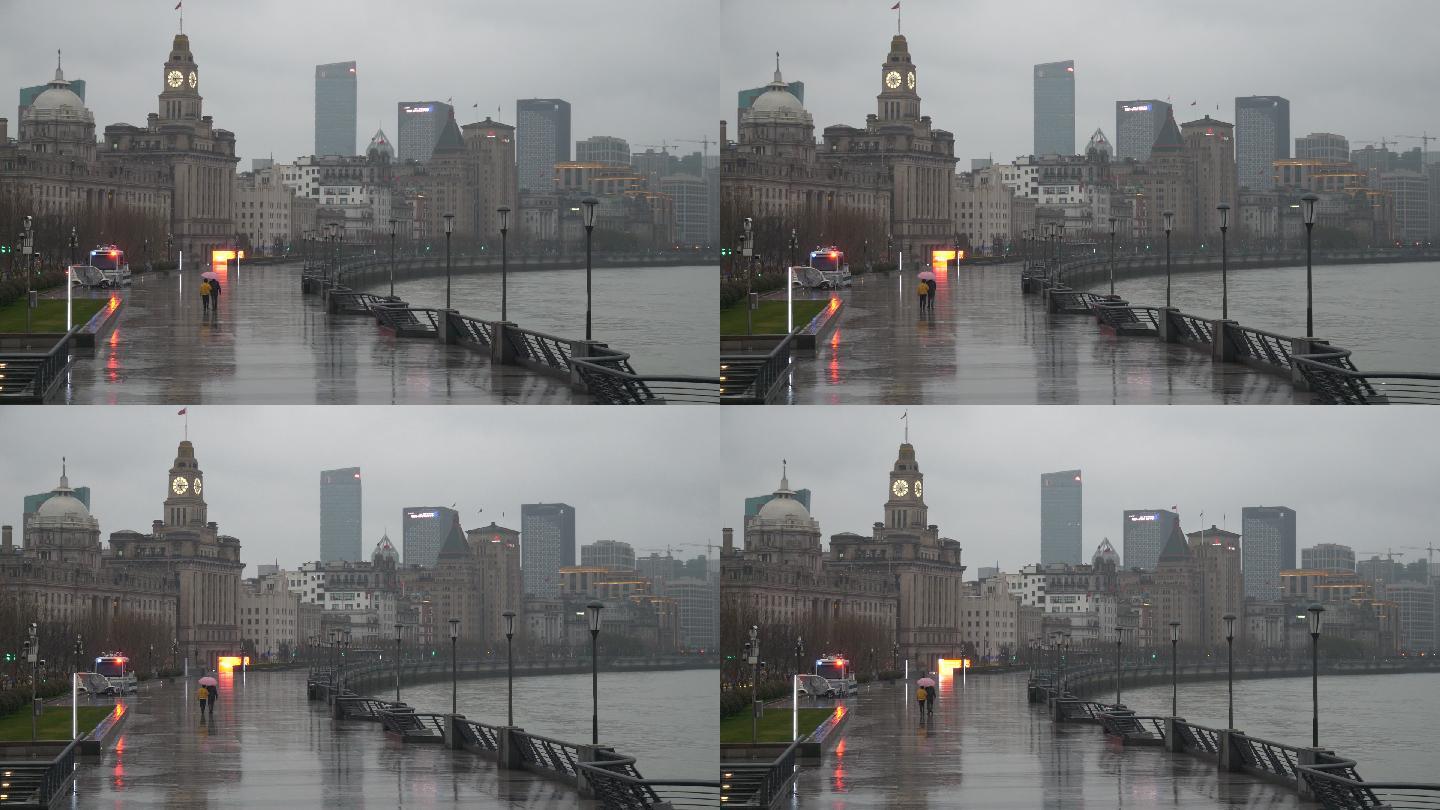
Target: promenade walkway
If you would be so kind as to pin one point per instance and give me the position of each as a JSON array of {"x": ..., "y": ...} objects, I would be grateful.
[
  {"x": 268, "y": 747},
  {"x": 986, "y": 748},
  {"x": 986, "y": 344},
  {"x": 270, "y": 345}
]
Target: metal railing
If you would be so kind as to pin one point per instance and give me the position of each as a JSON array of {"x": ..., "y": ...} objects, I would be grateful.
[
  {"x": 618, "y": 786},
  {"x": 29, "y": 377},
  {"x": 1190, "y": 328},
  {"x": 1269, "y": 349},
  {"x": 751, "y": 381},
  {"x": 405, "y": 321},
  {"x": 1334, "y": 380},
  {"x": 1124, "y": 318},
  {"x": 610, "y": 384},
  {"x": 414, "y": 725},
  {"x": 539, "y": 350},
  {"x": 548, "y": 755},
  {"x": 1129, "y": 725},
  {"x": 1337, "y": 787},
  {"x": 36, "y": 783},
  {"x": 480, "y": 737},
  {"x": 469, "y": 330},
  {"x": 1198, "y": 739},
  {"x": 744, "y": 784}
]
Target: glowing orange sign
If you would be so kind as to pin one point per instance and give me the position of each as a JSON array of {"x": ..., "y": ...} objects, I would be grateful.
[{"x": 229, "y": 662}]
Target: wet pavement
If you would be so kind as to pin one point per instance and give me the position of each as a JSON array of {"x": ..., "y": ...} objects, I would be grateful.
[
  {"x": 986, "y": 748},
  {"x": 268, "y": 344},
  {"x": 985, "y": 343},
  {"x": 267, "y": 746}
]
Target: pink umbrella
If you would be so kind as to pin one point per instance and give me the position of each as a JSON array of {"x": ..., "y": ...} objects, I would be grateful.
[
  {"x": 927, "y": 275},
  {"x": 210, "y": 275},
  {"x": 925, "y": 681},
  {"x": 209, "y": 681}
]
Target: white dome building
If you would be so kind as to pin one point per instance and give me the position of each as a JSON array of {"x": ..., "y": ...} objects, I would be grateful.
[
  {"x": 58, "y": 122},
  {"x": 777, "y": 124},
  {"x": 63, "y": 530},
  {"x": 783, "y": 532}
]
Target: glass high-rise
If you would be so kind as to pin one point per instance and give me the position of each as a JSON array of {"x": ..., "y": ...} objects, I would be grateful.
[
  {"x": 1137, "y": 125},
  {"x": 542, "y": 139},
  {"x": 1060, "y": 540},
  {"x": 547, "y": 542},
  {"x": 1262, "y": 136},
  {"x": 1143, "y": 534},
  {"x": 1267, "y": 547},
  {"x": 418, "y": 127},
  {"x": 335, "y": 109},
  {"x": 1055, "y": 108},
  {"x": 423, "y": 531},
  {"x": 340, "y": 515}
]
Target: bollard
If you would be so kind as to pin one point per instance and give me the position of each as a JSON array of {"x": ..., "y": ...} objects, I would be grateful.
[
  {"x": 442, "y": 325},
  {"x": 511, "y": 754},
  {"x": 1166, "y": 332},
  {"x": 1222, "y": 348},
  {"x": 1172, "y": 739},
  {"x": 453, "y": 738},
  {"x": 502, "y": 351},
  {"x": 1230, "y": 759}
]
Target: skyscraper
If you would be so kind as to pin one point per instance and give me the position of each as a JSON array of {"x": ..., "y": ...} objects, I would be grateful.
[
  {"x": 423, "y": 530},
  {"x": 605, "y": 149},
  {"x": 1143, "y": 535},
  {"x": 1328, "y": 557},
  {"x": 335, "y": 109},
  {"x": 1137, "y": 125},
  {"x": 340, "y": 515},
  {"x": 1055, "y": 111},
  {"x": 1060, "y": 517},
  {"x": 547, "y": 542},
  {"x": 617, "y": 555},
  {"x": 418, "y": 128},
  {"x": 1262, "y": 136},
  {"x": 542, "y": 135},
  {"x": 1325, "y": 146},
  {"x": 1268, "y": 548}
]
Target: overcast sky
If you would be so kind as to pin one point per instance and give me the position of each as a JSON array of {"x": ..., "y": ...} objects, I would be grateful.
[
  {"x": 641, "y": 475},
  {"x": 640, "y": 69},
  {"x": 1362, "y": 477},
  {"x": 1363, "y": 71}
]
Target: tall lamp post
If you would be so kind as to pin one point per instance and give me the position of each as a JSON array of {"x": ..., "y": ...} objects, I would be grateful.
[
  {"x": 1315, "y": 611},
  {"x": 1174, "y": 681},
  {"x": 1060, "y": 250},
  {"x": 509, "y": 617},
  {"x": 1309, "y": 210},
  {"x": 594, "y": 609},
  {"x": 746, "y": 249},
  {"x": 752, "y": 652},
  {"x": 794, "y": 245},
  {"x": 1224, "y": 210},
  {"x": 1119, "y": 642},
  {"x": 398, "y": 626},
  {"x": 1112, "y": 285},
  {"x": 1169, "y": 225},
  {"x": 32, "y": 651},
  {"x": 588, "y": 210},
  {"x": 454, "y": 642},
  {"x": 449, "y": 227},
  {"x": 504, "y": 212},
  {"x": 393, "y": 222},
  {"x": 1230, "y": 665},
  {"x": 799, "y": 651}
]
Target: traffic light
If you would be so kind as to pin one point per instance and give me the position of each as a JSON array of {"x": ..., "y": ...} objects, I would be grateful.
[
  {"x": 725, "y": 251},
  {"x": 9, "y": 657}
]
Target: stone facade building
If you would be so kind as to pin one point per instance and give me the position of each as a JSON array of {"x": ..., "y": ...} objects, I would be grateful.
[{"x": 498, "y": 551}]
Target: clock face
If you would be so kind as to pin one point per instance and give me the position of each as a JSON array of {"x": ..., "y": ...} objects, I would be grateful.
[
  {"x": 909, "y": 80},
  {"x": 917, "y": 488},
  {"x": 899, "y": 488},
  {"x": 173, "y": 78},
  {"x": 179, "y": 485},
  {"x": 194, "y": 80},
  {"x": 892, "y": 79},
  {"x": 198, "y": 485}
]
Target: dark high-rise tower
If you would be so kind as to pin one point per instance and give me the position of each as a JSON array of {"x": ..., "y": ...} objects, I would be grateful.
[
  {"x": 1055, "y": 108},
  {"x": 418, "y": 128},
  {"x": 1137, "y": 125},
  {"x": 423, "y": 530},
  {"x": 1060, "y": 517},
  {"x": 1267, "y": 548},
  {"x": 335, "y": 109},
  {"x": 1262, "y": 136},
  {"x": 1143, "y": 535},
  {"x": 547, "y": 542},
  {"x": 542, "y": 139},
  {"x": 340, "y": 515}
]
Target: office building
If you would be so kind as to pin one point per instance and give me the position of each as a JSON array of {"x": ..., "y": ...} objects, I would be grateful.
[
  {"x": 418, "y": 127},
  {"x": 615, "y": 555},
  {"x": 547, "y": 543},
  {"x": 606, "y": 149},
  {"x": 690, "y": 201},
  {"x": 1411, "y": 194},
  {"x": 1209, "y": 144},
  {"x": 340, "y": 515},
  {"x": 1060, "y": 517},
  {"x": 1323, "y": 146},
  {"x": 1137, "y": 125},
  {"x": 1416, "y": 601},
  {"x": 1262, "y": 136},
  {"x": 542, "y": 135},
  {"x": 423, "y": 530},
  {"x": 1055, "y": 112},
  {"x": 1331, "y": 557},
  {"x": 498, "y": 550},
  {"x": 1216, "y": 555},
  {"x": 1269, "y": 548},
  {"x": 335, "y": 109},
  {"x": 1143, "y": 533}
]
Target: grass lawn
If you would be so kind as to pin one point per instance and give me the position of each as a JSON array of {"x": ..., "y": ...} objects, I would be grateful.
[
  {"x": 49, "y": 316},
  {"x": 774, "y": 725},
  {"x": 54, "y": 723},
  {"x": 769, "y": 318}
]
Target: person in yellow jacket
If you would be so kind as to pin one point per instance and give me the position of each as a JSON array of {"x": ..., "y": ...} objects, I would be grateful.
[{"x": 205, "y": 294}]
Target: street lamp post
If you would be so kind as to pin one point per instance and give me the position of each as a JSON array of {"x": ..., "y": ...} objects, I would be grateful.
[
  {"x": 799, "y": 651},
  {"x": 1224, "y": 210},
  {"x": 1309, "y": 201},
  {"x": 32, "y": 650},
  {"x": 1112, "y": 281},
  {"x": 1315, "y": 612},
  {"x": 1174, "y": 681},
  {"x": 449, "y": 227},
  {"x": 1060, "y": 250},
  {"x": 397, "y": 661},
  {"x": 393, "y": 222},
  {"x": 594, "y": 609},
  {"x": 1230, "y": 665},
  {"x": 794, "y": 245},
  {"x": 509, "y": 617},
  {"x": 1119, "y": 642},
  {"x": 588, "y": 205},
  {"x": 504, "y": 212},
  {"x": 1169, "y": 225},
  {"x": 752, "y": 652},
  {"x": 454, "y": 643}
]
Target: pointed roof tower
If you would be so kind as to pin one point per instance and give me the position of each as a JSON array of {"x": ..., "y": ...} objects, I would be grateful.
[
  {"x": 455, "y": 544},
  {"x": 380, "y": 147},
  {"x": 450, "y": 139},
  {"x": 1175, "y": 550},
  {"x": 1169, "y": 139}
]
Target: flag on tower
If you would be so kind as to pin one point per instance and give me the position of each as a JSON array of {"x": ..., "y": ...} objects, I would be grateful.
[
  {"x": 182, "y": 411},
  {"x": 895, "y": 7},
  {"x": 179, "y": 4}
]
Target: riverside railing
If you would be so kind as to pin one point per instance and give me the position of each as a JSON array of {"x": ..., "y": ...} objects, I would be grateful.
[
  {"x": 31, "y": 376},
  {"x": 37, "y": 782},
  {"x": 757, "y": 784},
  {"x": 1337, "y": 787},
  {"x": 617, "y": 787},
  {"x": 750, "y": 379}
]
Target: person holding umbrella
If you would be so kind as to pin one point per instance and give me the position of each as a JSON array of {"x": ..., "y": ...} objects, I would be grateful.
[
  {"x": 928, "y": 276},
  {"x": 212, "y": 689},
  {"x": 927, "y": 683}
]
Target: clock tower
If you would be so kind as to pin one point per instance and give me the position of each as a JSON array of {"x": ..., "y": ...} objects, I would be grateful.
[
  {"x": 906, "y": 507},
  {"x": 185, "y": 491},
  {"x": 180, "y": 84},
  {"x": 898, "y": 100}
]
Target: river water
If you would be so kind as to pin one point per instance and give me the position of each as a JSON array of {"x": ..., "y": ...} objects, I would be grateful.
[
  {"x": 667, "y": 720},
  {"x": 1386, "y": 723},
  {"x": 1381, "y": 312},
  {"x": 665, "y": 317}
]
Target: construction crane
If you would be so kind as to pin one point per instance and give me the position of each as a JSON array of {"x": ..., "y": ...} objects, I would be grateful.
[
  {"x": 1391, "y": 554},
  {"x": 1384, "y": 142},
  {"x": 1424, "y": 140},
  {"x": 704, "y": 144},
  {"x": 662, "y": 146},
  {"x": 1430, "y": 558}
]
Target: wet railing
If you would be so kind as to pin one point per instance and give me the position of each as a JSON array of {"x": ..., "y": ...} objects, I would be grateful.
[
  {"x": 37, "y": 782},
  {"x": 29, "y": 377},
  {"x": 549, "y": 755},
  {"x": 618, "y": 787},
  {"x": 750, "y": 380},
  {"x": 1269, "y": 349},
  {"x": 1334, "y": 380},
  {"x": 1337, "y": 787},
  {"x": 1268, "y": 758},
  {"x": 745, "y": 784},
  {"x": 611, "y": 384},
  {"x": 480, "y": 737}
]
